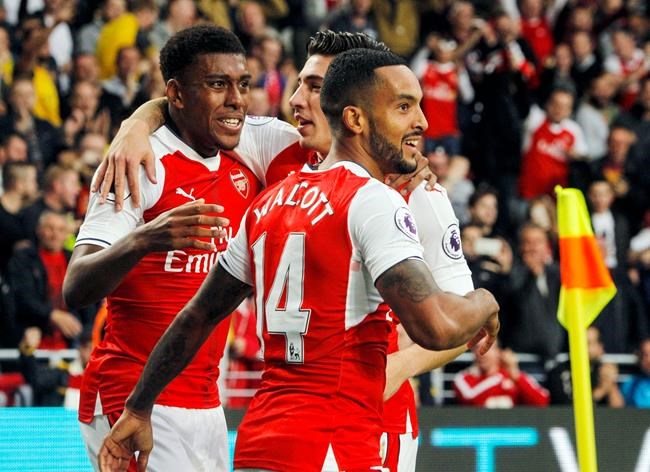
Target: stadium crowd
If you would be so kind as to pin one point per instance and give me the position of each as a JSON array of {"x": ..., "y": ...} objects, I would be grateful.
[{"x": 520, "y": 96}]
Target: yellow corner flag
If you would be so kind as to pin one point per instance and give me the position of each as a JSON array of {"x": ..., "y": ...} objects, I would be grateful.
[{"x": 586, "y": 288}]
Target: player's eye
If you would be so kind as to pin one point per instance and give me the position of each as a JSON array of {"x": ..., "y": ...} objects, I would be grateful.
[{"x": 405, "y": 107}]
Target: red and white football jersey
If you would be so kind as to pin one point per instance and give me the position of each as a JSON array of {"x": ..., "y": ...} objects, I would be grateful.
[
  {"x": 313, "y": 247},
  {"x": 440, "y": 237},
  {"x": 440, "y": 94},
  {"x": 498, "y": 390},
  {"x": 546, "y": 152},
  {"x": 149, "y": 297}
]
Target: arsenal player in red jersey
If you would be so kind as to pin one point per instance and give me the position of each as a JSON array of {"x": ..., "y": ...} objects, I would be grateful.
[
  {"x": 325, "y": 356},
  {"x": 150, "y": 260},
  {"x": 432, "y": 211}
]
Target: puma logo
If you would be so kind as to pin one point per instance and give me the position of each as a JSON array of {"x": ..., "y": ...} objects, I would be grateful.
[{"x": 189, "y": 196}]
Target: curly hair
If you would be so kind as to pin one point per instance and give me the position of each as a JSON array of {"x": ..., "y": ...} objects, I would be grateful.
[{"x": 182, "y": 49}]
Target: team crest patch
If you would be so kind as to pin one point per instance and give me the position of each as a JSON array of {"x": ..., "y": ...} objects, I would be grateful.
[
  {"x": 406, "y": 223},
  {"x": 240, "y": 181},
  {"x": 451, "y": 242}
]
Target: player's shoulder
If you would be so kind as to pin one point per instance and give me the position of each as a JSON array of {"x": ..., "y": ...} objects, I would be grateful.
[{"x": 267, "y": 124}]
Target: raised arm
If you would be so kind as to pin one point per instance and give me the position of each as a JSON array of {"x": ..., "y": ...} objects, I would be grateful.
[
  {"x": 218, "y": 296},
  {"x": 95, "y": 272},
  {"x": 434, "y": 319},
  {"x": 129, "y": 149}
]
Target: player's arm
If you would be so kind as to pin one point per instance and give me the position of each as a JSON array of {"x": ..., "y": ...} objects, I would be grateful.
[
  {"x": 219, "y": 295},
  {"x": 412, "y": 361},
  {"x": 94, "y": 272},
  {"x": 129, "y": 149},
  {"x": 434, "y": 319}
]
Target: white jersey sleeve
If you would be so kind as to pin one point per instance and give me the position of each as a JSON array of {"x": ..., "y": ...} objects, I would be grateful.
[
  {"x": 264, "y": 138},
  {"x": 440, "y": 237},
  {"x": 236, "y": 258},
  {"x": 580, "y": 147},
  {"x": 103, "y": 226},
  {"x": 382, "y": 228}
]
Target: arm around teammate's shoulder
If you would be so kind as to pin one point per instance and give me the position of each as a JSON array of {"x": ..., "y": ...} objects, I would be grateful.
[{"x": 434, "y": 319}]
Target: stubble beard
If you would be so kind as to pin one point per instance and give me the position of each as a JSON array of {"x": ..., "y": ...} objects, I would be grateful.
[{"x": 388, "y": 155}]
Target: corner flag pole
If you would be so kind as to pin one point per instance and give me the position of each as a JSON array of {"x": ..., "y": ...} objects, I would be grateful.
[{"x": 586, "y": 288}]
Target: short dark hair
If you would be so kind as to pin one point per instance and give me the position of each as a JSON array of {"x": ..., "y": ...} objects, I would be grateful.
[
  {"x": 12, "y": 172},
  {"x": 182, "y": 49},
  {"x": 482, "y": 190},
  {"x": 349, "y": 75},
  {"x": 331, "y": 43}
]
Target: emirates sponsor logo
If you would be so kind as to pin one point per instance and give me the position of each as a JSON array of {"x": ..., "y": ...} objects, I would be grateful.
[{"x": 240, "y": 181}]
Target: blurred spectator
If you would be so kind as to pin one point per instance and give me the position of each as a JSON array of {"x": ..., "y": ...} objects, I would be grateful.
[
  {"x": 627, "y": 175},
  {"x": 640, "y": 261},
  {"x": 87, "y": 113},
  {"x": 114, "y": 35},
  {"x": 57, "y": 385},
  {"x": 542, "y": 212},
  {"x": 636, "y": 389},
  {"x": 20, "y": 189},
  {"x": 622, "y": 322},
  {"x": 453, "y": 174},
  {"x": 85, "y": 67},
  {"x": 56, "y": 15},
  {"x": 181, "y": 14},
  {"x": 596, "y": 113},
  {"x": 260, "y": 105},
  {"x": 44, "y": 140},
  {"x": 36, "y": 63},
  {"x": 398, "y": 24},
  {"x": 484, "y": 209},
  {"x": 86, "y": 40},
  {"x": 502, "y": 68},
  {"x": 15, "y": 148},
  {"x": 587, "y": 64},
  {"x": 638, "y": 119},
  {"x": 270, "y": 52},
  {"x": 604, "y": 377},
  {"x": 534, "y": 289},
  {"x": 536, "y": 29},
  {"x": 123, "y": 92},
  {"x": 629, "y": 63},
  {"x": 354, "y": 17},
  {"x": 556, "y": 73},
  {"x": 36, "y": 276},
  {"x": 444, "y": 84},
  {"x": 551, "y": 141},
  {"x": 495, "y": 381},
  {"x": 489, "y": 259},
  {"x": 251, "y": 22},
  {"x": 6, "y": 62},
  {"x": 60, "y": 191},
  {"x": 91, "y": 151}
]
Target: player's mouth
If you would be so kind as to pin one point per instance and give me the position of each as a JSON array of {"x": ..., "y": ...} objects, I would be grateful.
[
  {"x": 303, "y": 123},
  {"x": 411, "y": 142},
  {"x": 232, "y": 123}
]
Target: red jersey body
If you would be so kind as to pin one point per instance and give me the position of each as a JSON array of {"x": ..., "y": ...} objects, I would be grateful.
[
  {"x": 313, "y": 246},
  {"x": 440, "y": 93},
  {"x": 141, "y": 308},
  {"x": 498, "y": 390},
  {"x": 547, "y": 150}
]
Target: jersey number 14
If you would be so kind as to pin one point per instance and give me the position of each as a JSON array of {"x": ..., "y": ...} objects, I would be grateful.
[{"x": 282, "y": 307}]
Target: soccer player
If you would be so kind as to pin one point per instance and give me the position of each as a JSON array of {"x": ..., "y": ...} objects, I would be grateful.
[
  {"x": 149, "y": 271},
  {"x": 434, "y": 216},
  {"x": 324, "y": 355}
]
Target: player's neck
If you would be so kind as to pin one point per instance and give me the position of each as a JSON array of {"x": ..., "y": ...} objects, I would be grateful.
[
  {"x": 177, "y": 126},
  {"x": 350, "y": 150}
]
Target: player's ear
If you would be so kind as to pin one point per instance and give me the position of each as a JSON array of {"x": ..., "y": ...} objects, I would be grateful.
[
  {"x": 173, "y": 92},
  {"x": 354, "y": 119}
]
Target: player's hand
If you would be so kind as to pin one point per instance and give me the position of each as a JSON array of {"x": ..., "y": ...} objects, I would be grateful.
[
  {"x": 132, "y": 433},
  {"x": 487, "y": 334},
  {"x": 180, "y": 227},
  {"x": 406, "y": 183},
  {"x": 130, "y": 148}
]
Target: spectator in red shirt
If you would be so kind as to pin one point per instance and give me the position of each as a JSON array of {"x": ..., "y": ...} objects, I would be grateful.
[{"x": 495, "y": 381}]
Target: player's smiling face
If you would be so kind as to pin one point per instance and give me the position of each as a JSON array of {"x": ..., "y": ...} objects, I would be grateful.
[
  {"x": 396, "y": 120},
  {"x": 215, "y": 98},
  {"x": 312, "y": 125}
]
